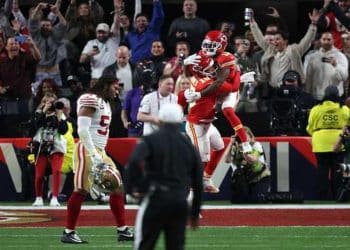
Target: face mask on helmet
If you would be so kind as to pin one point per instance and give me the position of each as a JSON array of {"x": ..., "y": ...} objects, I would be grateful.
[
  {"x": 205, "y": 68},
  {"x": 106, "y": 178},
  {"x": 214, "y": 43}
]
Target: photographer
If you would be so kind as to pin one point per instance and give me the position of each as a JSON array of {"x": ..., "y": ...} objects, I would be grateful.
[
  {"x": 251, "y": 177},
  {"x": 290, "y": 106},
  {"x": 50, "y": 125}
]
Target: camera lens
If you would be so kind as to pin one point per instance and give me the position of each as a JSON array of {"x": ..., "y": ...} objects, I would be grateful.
[{"x": 58, "y": 105}]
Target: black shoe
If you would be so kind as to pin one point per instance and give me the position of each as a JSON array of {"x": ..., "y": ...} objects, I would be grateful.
[
  {"x": 125, "y": 235},
  {"x": 71, "y": 238}
]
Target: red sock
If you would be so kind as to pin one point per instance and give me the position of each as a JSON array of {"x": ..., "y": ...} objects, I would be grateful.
[
  {"x": 215, "y": 157},
  {"x": 73, "y": 209},
  {"x": 116, "y": 203},
  {"x": 235, "y": 123}
]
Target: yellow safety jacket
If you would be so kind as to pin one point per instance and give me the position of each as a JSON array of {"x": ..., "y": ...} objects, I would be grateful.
[
  {"x": 67, "y": 165},
  {"x": 326, "y": 122}
]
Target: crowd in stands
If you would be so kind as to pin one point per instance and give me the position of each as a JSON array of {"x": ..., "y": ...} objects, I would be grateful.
[{"x": 50, "y": 49}]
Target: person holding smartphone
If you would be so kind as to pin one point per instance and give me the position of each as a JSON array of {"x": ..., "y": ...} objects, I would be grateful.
[{"x": 327, "y": 66}]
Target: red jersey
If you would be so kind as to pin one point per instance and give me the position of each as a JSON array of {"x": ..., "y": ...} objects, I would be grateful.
[
  {"x": 337, "y": 29},
  {"x": 228, "y": 61},
  {"x": 202, "y": 110}
]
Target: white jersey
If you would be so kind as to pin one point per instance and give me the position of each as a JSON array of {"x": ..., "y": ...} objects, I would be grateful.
[{"x": 101, "y": 119}]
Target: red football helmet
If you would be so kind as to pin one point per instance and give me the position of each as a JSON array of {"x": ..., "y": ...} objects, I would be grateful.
[
  {"x": 205, "y": 68},
  {"x": 214, "y": 43}
]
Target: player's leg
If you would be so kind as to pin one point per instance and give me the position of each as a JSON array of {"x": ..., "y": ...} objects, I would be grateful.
[
  {"x": 82, "y": 167},
  {"x": 117, "y": 205},
  {"x": 218, "y": 149},
  {"x": 228, "y": 105}
]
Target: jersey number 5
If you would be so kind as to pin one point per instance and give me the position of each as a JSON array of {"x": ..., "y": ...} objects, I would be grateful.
[{"x": 104, "y": 123}]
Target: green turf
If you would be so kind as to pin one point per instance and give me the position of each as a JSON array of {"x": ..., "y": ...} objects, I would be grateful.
[{"x": 204, "y": 238}]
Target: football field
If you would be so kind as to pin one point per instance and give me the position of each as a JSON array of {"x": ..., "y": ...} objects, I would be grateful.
[{"x": 222, "y": 227}]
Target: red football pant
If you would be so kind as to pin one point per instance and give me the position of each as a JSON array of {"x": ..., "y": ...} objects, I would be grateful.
[{"x": 56, "y": 160}]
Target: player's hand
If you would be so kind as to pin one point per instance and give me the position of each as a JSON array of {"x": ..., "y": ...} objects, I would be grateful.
[
  {"x": 191, "y": 96},
  {"x": 248, "y": 77},
  {"x": 192, "y": 59},
  {"x": 95, "y": 159}
]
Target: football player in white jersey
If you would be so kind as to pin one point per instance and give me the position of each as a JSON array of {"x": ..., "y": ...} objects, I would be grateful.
[{"x": 94, "y": 117}]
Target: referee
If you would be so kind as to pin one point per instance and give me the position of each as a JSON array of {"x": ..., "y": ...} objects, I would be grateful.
[{"x": 161, "y": 170}]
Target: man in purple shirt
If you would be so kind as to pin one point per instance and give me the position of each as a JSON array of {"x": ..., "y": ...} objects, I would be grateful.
[
  {"x": 140, "y": 40},
  {"x": 131, "y": 106}
]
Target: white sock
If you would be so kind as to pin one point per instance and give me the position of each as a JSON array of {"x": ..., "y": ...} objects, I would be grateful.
[
  {"x": 122, "y": 228},
  {"x": 68, "y": 230}
]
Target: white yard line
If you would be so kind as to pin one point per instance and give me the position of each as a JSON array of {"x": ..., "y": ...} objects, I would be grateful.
[{"x": 205, "y": 207}]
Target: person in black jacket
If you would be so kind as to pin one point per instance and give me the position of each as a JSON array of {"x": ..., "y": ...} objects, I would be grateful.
[{"x": 161, "y": 170}]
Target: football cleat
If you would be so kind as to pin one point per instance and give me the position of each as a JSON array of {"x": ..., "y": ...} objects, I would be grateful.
[
  {"x": 72, "y": 238},
  {"x": 209, "y": 186},
  {"x": 54, "y": 202},
  {"x": 38, "y": 202},
  {"x": 125, "y": 235}
]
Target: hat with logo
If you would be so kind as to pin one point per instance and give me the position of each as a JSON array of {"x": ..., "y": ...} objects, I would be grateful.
[
  {"x": 102, "y": 27},
  {"x": 291, "y": 76},
  {"x": 72, "y": 78}
]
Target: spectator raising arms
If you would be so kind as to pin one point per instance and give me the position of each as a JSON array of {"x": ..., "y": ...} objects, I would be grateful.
[{"x": 141, "y": 38}]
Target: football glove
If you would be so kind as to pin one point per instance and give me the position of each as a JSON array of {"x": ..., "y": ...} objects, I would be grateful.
[
  {"x": 192, "y": 59},
  {"x": 191, "y": 96},
  {"x": 96, "y": 159},
  {"x": 248, "y": 77}
]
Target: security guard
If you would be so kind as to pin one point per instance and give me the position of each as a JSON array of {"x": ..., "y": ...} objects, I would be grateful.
[
  {"x": 326, "y": 123},
  {"x": 161, "y": 170}
]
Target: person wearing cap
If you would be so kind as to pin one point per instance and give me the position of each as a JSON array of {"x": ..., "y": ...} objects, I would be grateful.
[
  {"x": 171, "y": 166},
  {"x": 302, "y": 102},
  {"x": 327, "y": 66},
  {"x": 100, "y": 52},
  {"x": 326, "y": 123}
]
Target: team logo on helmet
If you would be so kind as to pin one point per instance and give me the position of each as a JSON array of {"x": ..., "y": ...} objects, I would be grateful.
[
  {"x": 106, "y": 178},
  {"x": 214, "y": 43}
]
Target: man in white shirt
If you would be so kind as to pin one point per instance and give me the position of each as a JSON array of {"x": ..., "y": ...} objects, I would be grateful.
[
  {"x": 327, "y": 66},
  {"x": 152, "y": 102},
  {"x": 100, "y": 51}
]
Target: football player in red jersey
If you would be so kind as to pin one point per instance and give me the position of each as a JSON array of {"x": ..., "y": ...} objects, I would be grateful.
[
  {"x": 214, "y": 45},
  {"x": 199, "y": 127}
]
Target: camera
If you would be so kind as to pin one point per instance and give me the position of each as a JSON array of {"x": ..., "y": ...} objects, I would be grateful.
[
  {"x": 324, "y": 59},
  {"x": 57, "y": 106}
]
